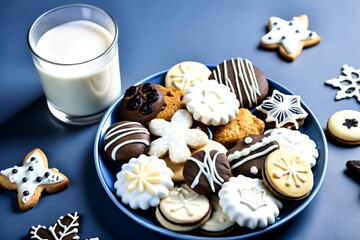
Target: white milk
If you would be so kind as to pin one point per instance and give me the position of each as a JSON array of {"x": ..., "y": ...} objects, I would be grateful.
[{"x": 79, "y": 89}]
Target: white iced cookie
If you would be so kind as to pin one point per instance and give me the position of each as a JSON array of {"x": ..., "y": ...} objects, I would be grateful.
[
  {"x": 143, "y": 181},
  {"x": 211, "y": 103},
  {"x": 219, "y": 221},
  {"x": 248, "y": 202},
  {"x": 183, "y": 75},
  {"x": 297, "y": 142},
  {"x": 176, "y": 137}
]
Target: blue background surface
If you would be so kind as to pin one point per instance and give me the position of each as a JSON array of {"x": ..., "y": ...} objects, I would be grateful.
[{"x": 153, "y": 36}]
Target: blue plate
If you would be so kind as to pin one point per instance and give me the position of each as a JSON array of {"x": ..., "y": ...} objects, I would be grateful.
[{"x": 107, "y": 170}]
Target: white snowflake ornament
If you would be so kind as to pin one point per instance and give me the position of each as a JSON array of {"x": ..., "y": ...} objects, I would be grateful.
[{"x": 348, "y": 83}]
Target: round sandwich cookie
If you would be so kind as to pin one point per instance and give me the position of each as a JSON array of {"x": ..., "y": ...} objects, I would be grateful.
[
  {"x": 141, "y": 103},
  {"x": 206, "y": 171},
  {"x": 344, "y": 127},
  {"x": 288, "y": 175},
  {"x": 244, "y": 79},
  {"x": 125, "y": 140},
  {"x": 248, "y": 156},
  {"x": 183, "y": 209}
]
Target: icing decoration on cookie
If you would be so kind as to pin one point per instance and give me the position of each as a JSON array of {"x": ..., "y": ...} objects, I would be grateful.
[
  {"x": 244, "y": 79},
  {"x": 348, "y": 83},
  {"x": 349, "y": 123},
  {"x": 175, "y": 137},
  {"x": 65, "y": 228},
  {"x": 289, "y": 36},
  {"x": 183, "y": 75},
  {"x": 253, "y": 197},
  {"x": 283, "y": 109},
  {"x": 211, "y": 103},
  {"x": 290, "y": 170},
  {"x": 182, "y": 198},
  {"x": 33, "y": 173},
  {"x": 143, "y": 181}
]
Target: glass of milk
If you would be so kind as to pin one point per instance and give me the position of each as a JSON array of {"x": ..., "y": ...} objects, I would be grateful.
[{"x": 75, "y": 51}]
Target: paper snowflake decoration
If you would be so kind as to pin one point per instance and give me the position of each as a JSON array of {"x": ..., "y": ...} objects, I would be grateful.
[{"x": 348, "y": 83}]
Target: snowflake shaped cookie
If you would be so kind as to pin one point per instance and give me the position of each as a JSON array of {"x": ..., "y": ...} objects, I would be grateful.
[
  {"x": 176, "y": 137},
  {"x": 211, "y": 103},
  {"x": 290, "y": 37},
  {"x": 143, "y": 182},
  {"x": 283, "y": 110},
  {"x": 348, "y": 83}
]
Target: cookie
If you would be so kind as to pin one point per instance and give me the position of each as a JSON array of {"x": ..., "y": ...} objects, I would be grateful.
[
  {"x": 141, "y": 103},
  {"x": 183, "y": 209},
  {"x": 244, "y": 79},
  {"x": 176, "y": 137},
  {"x": 219, "y": 223},
  {"x": 248, "y": 202},
  {"x": 206, "y": 171},
  {"x": 32, "y": 178},
  {"x": 348, "y": 83},
  {"x": 65, "y": 228},
  {"x": 184, "y": 74},
  {"x": 288, "y": 175},
  {"x": 297, "y": 142},
  {"x": 353, "y": 167},
  {"x": 290, "y": 37},
  {"x": 343, "y": 126},
  {"x": 282, "y": 110},
  {"x": 173, "y": 101},
  {"x": 211, "y": 103},
  {"x": 143, "y": 182},
  {"x": 125, "y": 140},
  {"x": 245, "y": 123},
  {"x": 248, "y": 156}
]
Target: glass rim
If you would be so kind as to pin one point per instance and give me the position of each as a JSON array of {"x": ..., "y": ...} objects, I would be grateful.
[{"x": 111, "y": 46}]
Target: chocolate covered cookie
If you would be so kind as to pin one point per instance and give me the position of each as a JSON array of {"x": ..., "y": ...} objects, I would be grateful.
[
  {"x": 244, "y": 79},
  {"x": 248, "y": 156},
  {"x": 125, "y": 140},
  {"x": 141, "y": 103},
  {"x": 206, "y": 171}
]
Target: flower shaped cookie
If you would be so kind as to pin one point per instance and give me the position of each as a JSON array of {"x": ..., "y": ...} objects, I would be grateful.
[
  {"x": 143, "y": 181},
  {"x": 211, "y": 103},
  {"x": 176, "y": 137}
]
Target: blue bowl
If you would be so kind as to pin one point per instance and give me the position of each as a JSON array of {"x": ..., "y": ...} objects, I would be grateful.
[{"x": 107, "y": 170}]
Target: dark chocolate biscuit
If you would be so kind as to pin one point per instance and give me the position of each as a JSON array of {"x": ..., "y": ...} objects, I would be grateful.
[
  {"x": 354, "y": 167},
  {"x": 205, "y": 171},
  {"x": 248, "y": 156},
  {"x": 141, "y": 103},
  {"x": 244, "y": 79},
  {"x": 125, "y": 140}
]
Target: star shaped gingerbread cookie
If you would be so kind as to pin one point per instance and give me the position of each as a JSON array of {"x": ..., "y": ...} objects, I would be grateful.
[
  {"x": 290, "y": 37},
  {"x": 32, "y": 178}
]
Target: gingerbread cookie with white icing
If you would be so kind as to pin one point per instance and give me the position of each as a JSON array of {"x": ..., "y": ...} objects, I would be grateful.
[
  {"x": 32, "y": 178},
  {"x": 206, "y": 171},
  {"x": 248, "y": 156},
  {"x": 344, "y": 127},
  {"x": 290, "y": 37},
  {"x": 282, "y": 110},
  {"x": 124, "y": 140},
  {"x": 244, "y": 79}
]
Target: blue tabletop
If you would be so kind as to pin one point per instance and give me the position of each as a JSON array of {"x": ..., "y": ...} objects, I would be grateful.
[{"x": 153, "y": 36}]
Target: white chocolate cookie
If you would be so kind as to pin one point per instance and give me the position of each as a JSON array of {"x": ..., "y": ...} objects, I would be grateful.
[
  {"x": 211, "y": 103},
  {"x": 344, "y": 127},
  {"x": 183, "y": 209},
  {"x": 295, "y": 141},
  {"x": 143, "y": 181},
  {"x": 176, "y": 137},
  {"x": 183, "y": 75},
  {"x": 248, "y": 202}
]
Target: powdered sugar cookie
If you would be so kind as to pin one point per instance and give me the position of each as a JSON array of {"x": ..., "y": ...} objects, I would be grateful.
[
  {"x": 176, "y": 137},
  {"x": 143, "y": 181},
  {"x": 183, "y": 209},
  {"x": 290, "y": 37},
  {"x": 248, "y": 202},
  {"x": 184, "y": 74},
  {"x": 32, "y": 178},
  {"x": 211, "y": 103}
]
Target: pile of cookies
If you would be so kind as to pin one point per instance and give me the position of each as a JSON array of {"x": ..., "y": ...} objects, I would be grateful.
[{"x": 211, "y": 150}]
